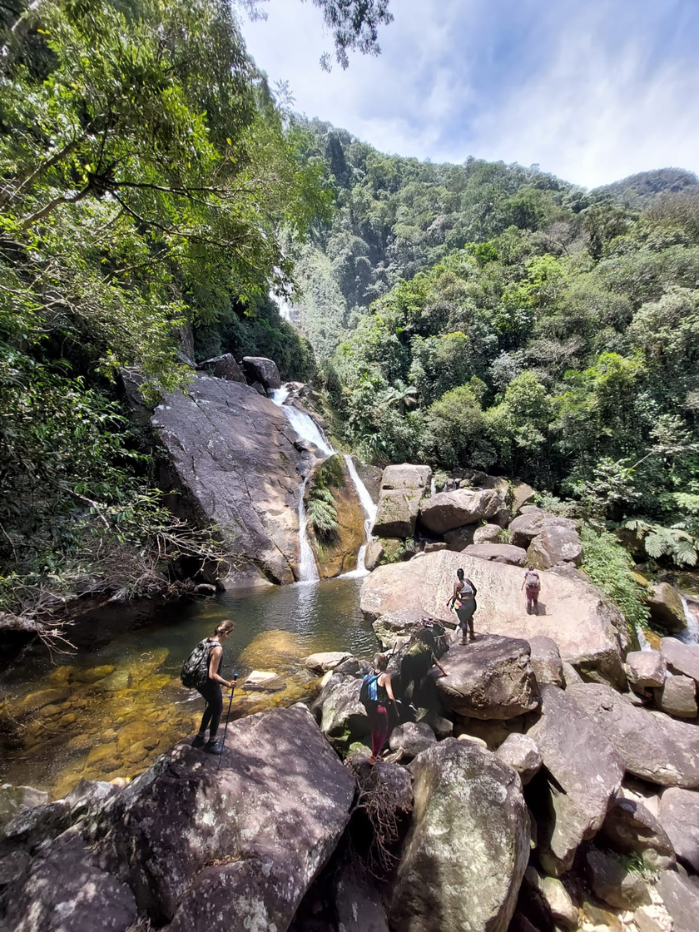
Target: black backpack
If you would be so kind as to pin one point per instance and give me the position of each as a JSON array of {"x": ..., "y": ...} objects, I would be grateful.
[{"x": 195, "y": 669}]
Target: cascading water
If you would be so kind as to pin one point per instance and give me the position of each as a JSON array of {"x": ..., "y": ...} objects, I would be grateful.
[
  {"x": 690, "y": 635},
  {"x": 308, "y": 430},
  {"x": 369, "y": 508},
  {"x": 642, "y": 639}
]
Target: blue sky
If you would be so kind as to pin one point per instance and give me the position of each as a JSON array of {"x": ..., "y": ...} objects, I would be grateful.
[{"x": 591, "y": 91}]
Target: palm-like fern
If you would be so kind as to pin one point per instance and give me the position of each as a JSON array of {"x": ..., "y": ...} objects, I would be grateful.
[
  {"x": 659, "y": 541},
  {"x": 321, "y": 512}
]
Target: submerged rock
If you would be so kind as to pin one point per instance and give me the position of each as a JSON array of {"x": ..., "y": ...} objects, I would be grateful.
[
  {"x": 468, "y": 844},
  {"x": 590, "y": 633}
]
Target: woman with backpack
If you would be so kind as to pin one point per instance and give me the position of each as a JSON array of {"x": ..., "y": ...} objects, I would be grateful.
[
  {"x": 379, "y": 691},
  {"x": 532, "y": 586},
  {"x": 209, "y": 686},
  {"x": 464, "y": 601}
]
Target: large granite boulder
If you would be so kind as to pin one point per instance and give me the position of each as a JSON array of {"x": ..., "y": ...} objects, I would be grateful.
[
  {"x": 546, "y": 661},
  {"x": 460, "y": 538},
  {"x": 522, "y": 494},
  {"x": 677, "y": 696},
  {"x": 402, "y": 488},
  {"x": 555, "y": 898},
  {"x": 631, "y": 828},
  {"x": 487, "y": 534},
  {"x": 585, "y": 773},
  {"x": 678, "y": 814},
  {"x": 398, "y": 624},
  {"x": 468, "y": 844},
  {"x": 448, "y": 510},
  {"x": 666, "y": 608},
  {"x": 646, "y": 669},
  {"x": 681, "y": 658},
  {"x": 223, "y": 367},
  {"x": 412, "y": 738},
  {"x": 231, "y": 456},
  {"x": 681, "y": 899},
  {"x": 555, "y": 545},
  {"x": 196, "y": 846},
  {"x": 490, "y": 678},
  {"x": 528, "y": 525},
  {"x": 343, "y": 718},
  {"x": 498, "y": 553},
  {"x": 358, "y": 902},
  {"x": 589, "y": 632},
  {"x": 653, "y": 746},
  {"x": 522, "y": 753},
  {"x": 262, "y": 370}
]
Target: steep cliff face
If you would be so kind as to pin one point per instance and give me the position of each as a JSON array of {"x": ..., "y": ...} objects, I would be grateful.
[{"x": 232, "y": 459}]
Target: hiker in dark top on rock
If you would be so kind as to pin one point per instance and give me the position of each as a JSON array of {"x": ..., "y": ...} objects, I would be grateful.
[
  {"x": 416, "y": 658},
  {"x": 375, "y": 694},
  {"x": 464, "y": 601},
  {"x": 532, "y": 586},
  {"x": 207, "y": 659}
]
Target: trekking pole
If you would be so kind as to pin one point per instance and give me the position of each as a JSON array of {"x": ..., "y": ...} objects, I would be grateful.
[{"x": 225, "y": 729}]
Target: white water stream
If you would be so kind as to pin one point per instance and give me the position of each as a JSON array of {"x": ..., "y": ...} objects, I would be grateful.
[
  {"x": 690, "y": 635},
  {"x": 307, "y": 429}
]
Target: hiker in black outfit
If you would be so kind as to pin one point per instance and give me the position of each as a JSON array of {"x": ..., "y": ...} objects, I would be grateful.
[
  {"x": 464, "y": 600},
  {"x": 211, "y": 690}
]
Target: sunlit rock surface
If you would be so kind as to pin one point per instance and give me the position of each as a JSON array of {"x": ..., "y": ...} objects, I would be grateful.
[{"x": 589, "y": 632}]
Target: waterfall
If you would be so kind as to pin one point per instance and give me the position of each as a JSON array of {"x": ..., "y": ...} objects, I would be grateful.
[
  {"x": 433, "y": 486},
  {"x": 690, "y": 635},
  {"x": 369, "y": 509},
  {"x": 308, "y": 571},
  {"x": 303, "y": 423},
  {"x": 642, "y": 639}
]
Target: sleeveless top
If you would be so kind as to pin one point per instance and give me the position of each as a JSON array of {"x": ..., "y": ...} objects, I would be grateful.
[{"x": 465, "y": 593}]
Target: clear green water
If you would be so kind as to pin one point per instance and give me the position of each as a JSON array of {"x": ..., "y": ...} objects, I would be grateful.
[{"x": 96, "y": 712}]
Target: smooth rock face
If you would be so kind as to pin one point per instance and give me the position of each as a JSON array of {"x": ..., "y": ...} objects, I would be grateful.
[
  {"x": 223, "y": 367},
  {"x": 262, "y": 370},
  {"x": 528, "y": 525},
  {"x": 402, "y": 488},
  {"x": 630, "y": 828},
  {"x": 681, "y": 899},
  {"x": 412, "y": 738},
  {"x": 555, "y": 545},
  {"x": 646, "y": 669},
  {"x": 272, "y": 816},
  {"x": 489, "y": 678},
  {"x": 587, "y": 772},
  {"x": 13, "y": 799},
  {"x": 232, "y": 455},
  {"x": 498, "y": 553},
  {"x": 679, "y": 816},
  {"x": 546, "y": 661},
  {"x": 488, "y": 534},
  {"x": 653, "y": 746},
  {"x": 448, "y": 510},
  {"x": 373, "y": 555},
  {"x": 681, "y": 658},
  {"x": 588, "y": 631},
  {"x": 522, "y": 753},
  {"x": 666, "y": 607},
  {"x": 613, "y": 883},
  {"x": 677, "y": 697},
  {"x": 468, "y": 844}
]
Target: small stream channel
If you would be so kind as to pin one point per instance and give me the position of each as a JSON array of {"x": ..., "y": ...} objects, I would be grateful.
[{"x": 111, "y": 710}]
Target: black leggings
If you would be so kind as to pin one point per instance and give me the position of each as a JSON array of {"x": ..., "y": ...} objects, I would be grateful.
[{"x": 214, "y": 706}]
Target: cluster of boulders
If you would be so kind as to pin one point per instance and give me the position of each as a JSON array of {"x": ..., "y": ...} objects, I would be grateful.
[{"x": 484, "y": 516}]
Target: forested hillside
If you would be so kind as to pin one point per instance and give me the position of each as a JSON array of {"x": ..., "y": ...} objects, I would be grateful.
[{"x": 493, "y": 316}]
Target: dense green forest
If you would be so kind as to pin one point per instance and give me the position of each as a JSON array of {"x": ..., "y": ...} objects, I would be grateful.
[
  {"x": 493, "y": 316},
  {"x": 478, "y": 315}
]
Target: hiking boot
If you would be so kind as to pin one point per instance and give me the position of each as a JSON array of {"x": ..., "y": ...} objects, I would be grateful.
[
  {"x": 213, "y": 746},
  {"x": 199, "y": 741}
]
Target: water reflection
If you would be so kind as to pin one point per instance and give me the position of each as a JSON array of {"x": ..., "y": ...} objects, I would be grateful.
[{"x": 110, "y": 711}]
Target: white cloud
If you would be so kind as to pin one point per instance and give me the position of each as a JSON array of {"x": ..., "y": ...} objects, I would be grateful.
[{"x": 590, "y": 93}]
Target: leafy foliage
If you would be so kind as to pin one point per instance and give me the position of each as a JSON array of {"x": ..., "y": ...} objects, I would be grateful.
[{"x": 610, "y": 567}]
